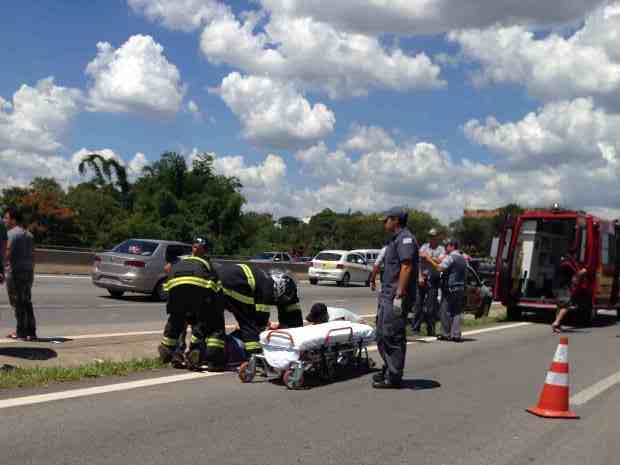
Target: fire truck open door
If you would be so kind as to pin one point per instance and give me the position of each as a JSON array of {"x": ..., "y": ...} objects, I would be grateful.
[
  {"x": 503, "y": 261},
  {"x": 615, "y": 290}
]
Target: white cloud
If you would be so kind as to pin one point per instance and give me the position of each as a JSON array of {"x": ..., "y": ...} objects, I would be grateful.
[
  {"x": 567, "y": 132},
  {"x": 193, "y": 108},
  {"x": 38, "y": 117},
  {"x": 136, "y": 77},
  {"x": 368, "y": 138},
  {"x": 415, "y": 17},
  {"x": 185, "y": 15},
  {"x": 315, "y": 55},
  {"x": 552, "y": 67},
  {"x": 273, "y": 113}
]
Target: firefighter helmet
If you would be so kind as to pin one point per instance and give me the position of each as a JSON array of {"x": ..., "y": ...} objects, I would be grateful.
[{"x": 284, "y": 288}]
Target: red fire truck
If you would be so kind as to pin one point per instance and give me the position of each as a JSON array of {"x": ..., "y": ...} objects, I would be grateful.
[{"x": 531, "y": 248}]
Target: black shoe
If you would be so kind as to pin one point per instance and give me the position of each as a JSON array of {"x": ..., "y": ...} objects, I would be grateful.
[
  {"x": 386, "y": 385},
  {"x": 216, "y": 367},
  {"x": 441, "y": 337},
  {"x": 457, "y": 339},
  {"x": 193, "y": 359},
  {"x": 378, "y": 377}
]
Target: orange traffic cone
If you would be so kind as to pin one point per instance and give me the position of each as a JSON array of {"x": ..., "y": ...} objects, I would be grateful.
[{"x": 553, "y": 401}]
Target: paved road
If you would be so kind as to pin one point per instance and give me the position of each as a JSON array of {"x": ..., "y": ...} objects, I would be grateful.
[
  {"x": 65, "y": 305},
  {"x": 463, "y": 405}
]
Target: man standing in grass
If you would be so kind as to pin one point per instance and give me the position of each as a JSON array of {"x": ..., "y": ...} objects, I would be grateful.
[{"x": 19, "y": 266}]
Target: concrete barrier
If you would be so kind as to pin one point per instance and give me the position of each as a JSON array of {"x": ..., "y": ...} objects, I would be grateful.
[{"x": 51, "y": 261}]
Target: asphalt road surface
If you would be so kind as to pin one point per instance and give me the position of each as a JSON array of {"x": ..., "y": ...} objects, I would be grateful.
[
  {"x": 463, "y": 404},
  {"x": 72, "y": 305}
]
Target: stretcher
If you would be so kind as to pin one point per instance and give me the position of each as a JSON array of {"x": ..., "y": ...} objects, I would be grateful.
[{"x": 322, "y": 349}]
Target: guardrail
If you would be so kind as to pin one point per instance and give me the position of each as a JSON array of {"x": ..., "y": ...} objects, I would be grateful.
[{"x": 55, "y": 261}]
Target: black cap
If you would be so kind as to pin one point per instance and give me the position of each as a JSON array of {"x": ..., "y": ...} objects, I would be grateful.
[
  {"x": 396, "y": 212},
  {"x": 453, "y": 242},
  {"x": 318, "y": 314}
]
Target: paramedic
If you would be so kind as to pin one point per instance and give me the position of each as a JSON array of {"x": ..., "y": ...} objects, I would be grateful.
[
  {"x": 453, "y": 268},
  {"x": 571, "y": 291},
  {"x": 194, "y": 296},
  {"x": 427, "y": 304},
  {"x": 396, "y": 298},
  {"x": 249, "y": 292},
  {"x": 321, "y": 313}
]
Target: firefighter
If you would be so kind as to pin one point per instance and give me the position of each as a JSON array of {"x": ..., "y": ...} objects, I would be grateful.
[
  {"x": 249, "y": 293},
  {"x": 194, "y": 296}
]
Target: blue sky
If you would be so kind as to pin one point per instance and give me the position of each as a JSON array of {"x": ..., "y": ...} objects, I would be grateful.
[{"x": 361, "y": 106}]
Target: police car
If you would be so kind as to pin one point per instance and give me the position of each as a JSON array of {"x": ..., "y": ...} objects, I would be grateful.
[{"x": 341, "y": 266}]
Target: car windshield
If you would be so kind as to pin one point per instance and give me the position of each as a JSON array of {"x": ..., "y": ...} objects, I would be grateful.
[
  {"x": 264, "y": 256},
  {"x": 328, "y": 257},
  {"x": 136, "y": 247}
]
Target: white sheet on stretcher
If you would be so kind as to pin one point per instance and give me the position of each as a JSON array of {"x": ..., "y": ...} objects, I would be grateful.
[{"x": 280, "y": 352}]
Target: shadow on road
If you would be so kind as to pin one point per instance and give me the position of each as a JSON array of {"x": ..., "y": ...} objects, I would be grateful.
[
  {"x": 130, "y": 298},
  {"x": 420, "y": 384},
  {"x": 28, "y": 353}
]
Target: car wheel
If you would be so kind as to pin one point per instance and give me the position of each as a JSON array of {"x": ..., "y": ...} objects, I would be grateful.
[
  {"x": 116, "y": 294},
  {"x": 159, "y": 294},
  {"x": 484, "y": 310},
  {"x": 513, "y": 313},
  {"x": 314, "y": 281},
  {"x": 346, "y": 280}
]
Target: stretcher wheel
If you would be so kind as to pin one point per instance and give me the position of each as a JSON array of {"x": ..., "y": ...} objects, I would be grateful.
[
  {"x": 293, "y": 378},
  {"x": 247, "y": 372}
]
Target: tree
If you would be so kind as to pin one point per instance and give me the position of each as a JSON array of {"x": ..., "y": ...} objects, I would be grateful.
[{"x": 108, "y": 171}]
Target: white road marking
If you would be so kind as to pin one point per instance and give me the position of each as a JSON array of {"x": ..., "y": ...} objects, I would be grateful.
[
  {"x": 61, "y": 276},
  {"x": 37, "y": 399},
  {"x": 596, "y": 389},
  {"x": 74, "y": 393}
]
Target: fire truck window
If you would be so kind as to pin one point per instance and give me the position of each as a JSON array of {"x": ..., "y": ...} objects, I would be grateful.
[
  {"x": 507, "y": 239},
  {"x": 605, "y": 251},
  {"x": 582, "y": 247}
]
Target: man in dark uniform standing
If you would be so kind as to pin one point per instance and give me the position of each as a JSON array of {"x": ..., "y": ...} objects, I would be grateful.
[
  {"x": 194, "y": 296},
  {"x": 396, "y": 299}
]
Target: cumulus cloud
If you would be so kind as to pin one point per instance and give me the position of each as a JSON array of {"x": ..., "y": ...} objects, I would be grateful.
[
  {"x": 314, "y": 55},
  {"x": 565, "y": 132},
  {"x": 273, "y": 113},
  {"x": 194, "y": 110},
  {"x": 368, "y": 138},
  {"x": 184, "y": 15},
  {"x": 416, "y": 17},
  {"x": 38, "y": 117},
  {"x": 552, "y": 67},
  {"x": 136, "y": 77}
]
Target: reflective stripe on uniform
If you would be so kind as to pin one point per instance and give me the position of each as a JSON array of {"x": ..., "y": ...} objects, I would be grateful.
[
  {"x": 168, "y": 342},
  {"x": 292, "y": 308},
  {"x": 215, "y": 342},
  {"x": 251, "y": 345},
  {"x": 193, "y": 281},
  {"x": 249, "y": 275},
  {"x": 195, "y": 340},
  {"x": 263, "y": 308},
  {"x": 197, "y": 259},
  {"x": 244, "y": 299}
]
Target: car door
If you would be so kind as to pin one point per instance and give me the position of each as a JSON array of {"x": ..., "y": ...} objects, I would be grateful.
[{"x": 473, "y": 295}]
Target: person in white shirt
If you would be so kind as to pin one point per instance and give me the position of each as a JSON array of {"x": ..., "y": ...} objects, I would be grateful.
[{"x": 321, "y": 313}]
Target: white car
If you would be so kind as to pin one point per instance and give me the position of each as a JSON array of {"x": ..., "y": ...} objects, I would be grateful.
[
  {"x": 369, "y": 254},
  {"x": 341, "y": 266}
]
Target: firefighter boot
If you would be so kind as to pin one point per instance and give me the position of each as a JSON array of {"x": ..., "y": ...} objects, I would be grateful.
[{"x": 165, "y": 353}]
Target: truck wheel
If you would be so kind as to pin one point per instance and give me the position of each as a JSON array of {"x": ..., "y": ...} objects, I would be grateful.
[
  {"x": 313, "y": 281},
  {"x": 513, "y": 313},
  {"x": 585, "y": 315},
  {"x": 116, "y": 294}
]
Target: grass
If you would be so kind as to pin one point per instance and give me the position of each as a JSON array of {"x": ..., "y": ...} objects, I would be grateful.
[
  {"x": 468, "y": 323},
  {"x": 43, "y": 376}
]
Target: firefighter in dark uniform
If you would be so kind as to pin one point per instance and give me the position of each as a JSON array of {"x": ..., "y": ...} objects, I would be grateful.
[
  {"x": 194, "y": 297},
  {"x": 396, "y": 299},
  {"x": 249, "y": 292}
]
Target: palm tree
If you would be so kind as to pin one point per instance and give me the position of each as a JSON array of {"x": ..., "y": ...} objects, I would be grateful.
[{"x": 106, "y": 169}]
